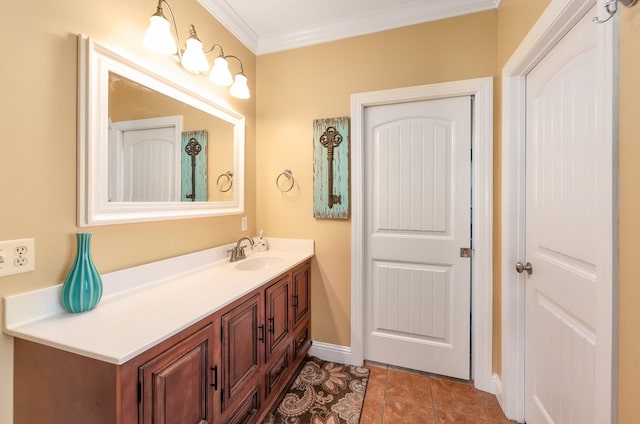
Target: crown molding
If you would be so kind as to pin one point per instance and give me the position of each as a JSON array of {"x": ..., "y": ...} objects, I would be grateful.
[
  {"x": 350, "y": 26},
  {"x": 228, "y": 17}
]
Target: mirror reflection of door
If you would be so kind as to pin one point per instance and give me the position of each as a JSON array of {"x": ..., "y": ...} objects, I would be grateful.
[{"x": 145, "y": 160}]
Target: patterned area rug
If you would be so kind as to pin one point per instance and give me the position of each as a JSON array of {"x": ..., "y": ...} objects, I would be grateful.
[{"x": 323, "y": 393}]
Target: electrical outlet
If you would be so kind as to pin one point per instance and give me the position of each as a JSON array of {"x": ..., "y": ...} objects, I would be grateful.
[
  {"x": 244, "y": 223},
  {"x": 17, "y": 256}
]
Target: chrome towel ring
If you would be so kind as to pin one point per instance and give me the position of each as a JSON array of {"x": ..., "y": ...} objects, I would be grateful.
[
  {"x": 225, "y": 181},
  {"x": 289, "y": 175}
]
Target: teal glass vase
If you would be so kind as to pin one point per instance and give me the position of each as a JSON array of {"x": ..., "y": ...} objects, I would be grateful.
[{"x": 82, "y": 289}]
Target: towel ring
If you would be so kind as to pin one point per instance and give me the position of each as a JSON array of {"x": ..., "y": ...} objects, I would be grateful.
[
  {"x": 287, "y": 173},
  {"x": 220, "y": 182}
]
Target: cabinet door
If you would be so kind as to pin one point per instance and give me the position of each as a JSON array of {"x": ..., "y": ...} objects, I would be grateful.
[
  {"x": 301, "y": 295},
  {"x": 242, "y": 334},
  {"x": 173, "y": 385},
  {"x": 247, "y": 409},
  {"x": 277, "y": 314}
]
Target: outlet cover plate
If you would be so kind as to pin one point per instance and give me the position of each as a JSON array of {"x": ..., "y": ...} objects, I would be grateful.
[{"x": 17, "y": 256}]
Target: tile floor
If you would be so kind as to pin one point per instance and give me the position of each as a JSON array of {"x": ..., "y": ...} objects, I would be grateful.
[{"x": 398, "y": 396}]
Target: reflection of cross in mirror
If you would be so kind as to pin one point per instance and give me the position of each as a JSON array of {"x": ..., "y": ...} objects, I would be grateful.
[
  {"x": 331, "y": 138},
  {"x": 193, "y": 148}
]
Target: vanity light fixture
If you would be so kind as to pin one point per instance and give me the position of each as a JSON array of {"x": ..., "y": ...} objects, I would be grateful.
[{"x": 193, "y": 58}]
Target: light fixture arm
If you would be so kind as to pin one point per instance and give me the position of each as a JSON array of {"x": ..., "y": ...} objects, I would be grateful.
[
  {"x": 238, "y": 59},
  {"x": 214, "y": 47}
]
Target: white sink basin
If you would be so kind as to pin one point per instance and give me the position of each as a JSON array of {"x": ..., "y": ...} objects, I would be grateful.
[{"x": 259, "y": 264}]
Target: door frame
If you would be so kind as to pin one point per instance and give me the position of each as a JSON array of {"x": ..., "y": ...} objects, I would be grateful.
[
  {"x": 556, "y": 21},
  {"x": 482, "y": 215}
]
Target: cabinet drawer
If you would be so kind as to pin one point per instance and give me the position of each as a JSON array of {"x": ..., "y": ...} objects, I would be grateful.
[
  {"x": 301, "y": 341},
  {"x": 276, "y": 373},
  {"x": 248, "y": 408}
]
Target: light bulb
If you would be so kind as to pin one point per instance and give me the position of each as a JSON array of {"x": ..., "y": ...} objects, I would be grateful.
[
  {"x": 158, "y": 36},
  {"x": 193, "y": 58},
  {"x": 240, "y": 89},
  {"x": 220, "y": 74}
]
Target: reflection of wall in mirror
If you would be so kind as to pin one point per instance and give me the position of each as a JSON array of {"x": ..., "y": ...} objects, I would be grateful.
[{"x": 129, "y": 100}]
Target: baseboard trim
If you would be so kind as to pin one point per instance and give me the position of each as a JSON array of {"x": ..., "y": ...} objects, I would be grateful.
[
  {"x": 497, "y": 389},
  {"x": 331, "y": 352}
]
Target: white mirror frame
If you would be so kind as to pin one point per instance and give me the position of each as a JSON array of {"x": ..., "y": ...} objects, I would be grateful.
[{"x": 94, "y": 64}]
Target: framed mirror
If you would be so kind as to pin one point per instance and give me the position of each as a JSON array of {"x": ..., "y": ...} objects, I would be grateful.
[{"x": 149, "y": 149}]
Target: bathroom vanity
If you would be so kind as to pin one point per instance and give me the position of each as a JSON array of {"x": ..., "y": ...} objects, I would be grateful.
[{"x": 194, "y": 339}]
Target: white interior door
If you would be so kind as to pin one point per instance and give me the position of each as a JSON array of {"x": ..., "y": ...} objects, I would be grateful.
[
  {"x": 568, "y": 233},
  {"x": 417, "y": 286}
]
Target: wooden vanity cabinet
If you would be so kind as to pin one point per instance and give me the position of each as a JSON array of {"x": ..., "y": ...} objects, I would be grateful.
[
  {"x": 277, "y": 300},
  {"x": 175, "y": 386},
  {"x": 242, "y": 338},
  {"x": 288, "y": 306},
  {"x": 229, "y": 368},
  {"x": 301, "y": 294},
  {"x": 169, "y": 383}
]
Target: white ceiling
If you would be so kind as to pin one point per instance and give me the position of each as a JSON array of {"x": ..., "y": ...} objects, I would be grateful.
[{"x": 267, "y": 26}]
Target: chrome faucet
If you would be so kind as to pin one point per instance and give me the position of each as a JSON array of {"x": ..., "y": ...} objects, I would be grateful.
[{"x": 237, "y": 253}]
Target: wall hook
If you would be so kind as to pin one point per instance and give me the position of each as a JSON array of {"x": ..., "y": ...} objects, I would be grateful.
[{"x": 612, "y": 7}]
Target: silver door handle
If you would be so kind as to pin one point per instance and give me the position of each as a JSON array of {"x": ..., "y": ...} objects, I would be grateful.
[{"x": 528, "y": 267}]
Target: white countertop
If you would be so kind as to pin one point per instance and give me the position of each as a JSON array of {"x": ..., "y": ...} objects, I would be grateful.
[{"x": 144, "y": 305}]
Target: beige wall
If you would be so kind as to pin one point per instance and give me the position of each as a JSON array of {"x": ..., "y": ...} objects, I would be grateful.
[
  {"x": 38, "y": 146},
  {"x": 298, "y": 86},
  {"x": 629, "y": 230}
]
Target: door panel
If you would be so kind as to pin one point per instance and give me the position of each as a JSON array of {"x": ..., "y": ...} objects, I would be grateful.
[
  {"x": 240, "y": 348},
  {"x": 564, "y": 210},
  {"x": 277, "y": 313},
  {"x": 412, "y": 299},
  {"x": 417, "y": 289},
  {"x": 301, "y": 295},
  {"x": 173, "y": 386}
]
